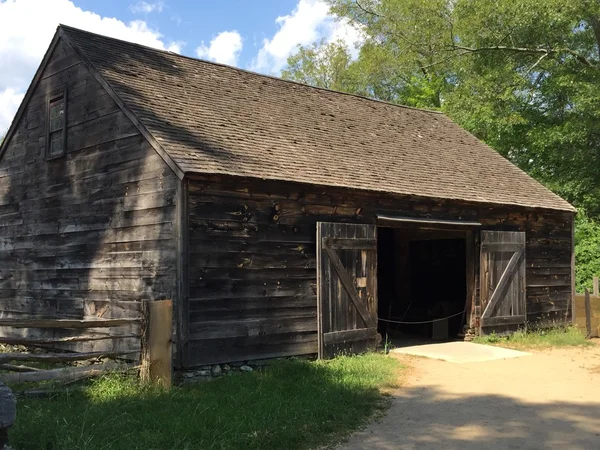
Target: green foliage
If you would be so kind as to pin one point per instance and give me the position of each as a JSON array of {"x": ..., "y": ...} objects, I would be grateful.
[
  {"x": 553, "y": 337},
  {"x": 492, "y": 338},
  {"x": 587, "y": 251},
  {"x": 290, "y": 405},
  {"x": 323, "y": 65}
]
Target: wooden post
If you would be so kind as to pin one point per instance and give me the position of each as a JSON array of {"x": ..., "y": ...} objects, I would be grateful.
[
  {"x": 595, "y": 286},
  {"x": 588, "y": 314},
  {"x": 156, "y": 354},
  {"x": 573, "y": 293},
  {"x": 470, "y": 279}
]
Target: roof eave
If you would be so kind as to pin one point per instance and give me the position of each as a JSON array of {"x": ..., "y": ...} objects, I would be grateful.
[{"x": 568, "y": 208}]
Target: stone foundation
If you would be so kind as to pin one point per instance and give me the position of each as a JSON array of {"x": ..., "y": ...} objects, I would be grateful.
[{"x": 207, "y": 373}]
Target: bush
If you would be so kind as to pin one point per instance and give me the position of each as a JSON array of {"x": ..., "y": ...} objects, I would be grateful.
[{"x": 587, "y": 251}]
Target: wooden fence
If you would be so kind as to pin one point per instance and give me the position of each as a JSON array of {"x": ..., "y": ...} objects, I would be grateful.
[
  {"x": 139, "y": 343},
  {"x": 586, "y": 311}
]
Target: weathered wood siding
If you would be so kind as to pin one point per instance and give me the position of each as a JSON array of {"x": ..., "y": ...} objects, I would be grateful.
[
  {"x": 252, "y": 260},
  {"x": 89, "y": 234}
]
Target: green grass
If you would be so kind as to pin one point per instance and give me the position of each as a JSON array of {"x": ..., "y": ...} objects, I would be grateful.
[
  {"x": 292, "y": 404},
  {"x": 554, "y": 337}
]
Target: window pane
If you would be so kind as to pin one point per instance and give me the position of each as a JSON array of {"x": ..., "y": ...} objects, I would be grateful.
[
  {"x": 57, "y": 115},
  {"x": 56, "y": 144},
  {"x": 55, "y": 124}
]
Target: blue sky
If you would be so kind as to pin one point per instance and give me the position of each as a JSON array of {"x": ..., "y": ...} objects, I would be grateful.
[
  {"x": 257, "y": 35},
  {"x": 197, "y": 21}
]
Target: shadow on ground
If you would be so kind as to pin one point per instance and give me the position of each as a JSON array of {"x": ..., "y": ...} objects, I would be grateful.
[{"x": 428, "y": 418}]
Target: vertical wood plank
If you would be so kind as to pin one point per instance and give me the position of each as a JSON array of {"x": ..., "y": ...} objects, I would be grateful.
[
  {"x": 513, "y": 303},
  {"x": 358, "y": 277},
  {"x": 522, "y": 291},
  {"x": 144, "y": 348},
  {"x": 322, "y": 285},
  {"x": 157, "y": 367},
  {"x": 159, "y": 342},
  {"x": 341, "y": 297},
  {"x": 588, "y": 314},
  {"x": 348, "y": 262},
  {"x": 572, "y": 271},
  {"x": 470, "y": 277},
  {"x": 595, "y": 283},
  {"x": 485, "y": 281},
  {"x": 371, "y": 274},
  {"x": 478, "y": 277},
  {"x": 182, "y": 300}
]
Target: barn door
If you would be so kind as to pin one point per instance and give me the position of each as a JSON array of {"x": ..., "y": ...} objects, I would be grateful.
[
  {"x": 502, "y": 281},
  {"x": 347, "y": 288}
]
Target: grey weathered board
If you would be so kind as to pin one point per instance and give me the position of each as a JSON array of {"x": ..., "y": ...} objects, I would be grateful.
[
  {"x": 503, "y": 297},
  {"x": 346, "y": 288}
]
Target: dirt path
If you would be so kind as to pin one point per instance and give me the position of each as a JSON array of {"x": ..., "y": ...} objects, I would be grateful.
[{"x": 550, "y": 399}]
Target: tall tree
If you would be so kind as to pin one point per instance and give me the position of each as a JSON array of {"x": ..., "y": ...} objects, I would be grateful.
[
  {"x": 323, "y": 65},
  {"x": 523, "y": 75}
]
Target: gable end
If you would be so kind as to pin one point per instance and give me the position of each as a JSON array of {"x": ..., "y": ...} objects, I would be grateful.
[{"x": 134, "y": 119}]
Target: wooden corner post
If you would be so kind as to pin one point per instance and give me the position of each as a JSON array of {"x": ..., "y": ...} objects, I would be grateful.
[
  {"x": 156, "y": 352},
  {"x": 588, "y": 314}
]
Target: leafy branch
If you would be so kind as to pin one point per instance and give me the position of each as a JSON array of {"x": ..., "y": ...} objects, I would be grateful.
[
  {"x": 365, "y": 10},
  {"x": 530, "y": 50}
]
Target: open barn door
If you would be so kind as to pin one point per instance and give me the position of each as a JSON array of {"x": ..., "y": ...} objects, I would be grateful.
[
  {"x": 347, "y": 288},
  {"x": 503, "y": 296}
]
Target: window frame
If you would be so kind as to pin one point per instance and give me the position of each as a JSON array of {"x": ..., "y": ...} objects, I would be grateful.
[{"x": 53, "y": 98}]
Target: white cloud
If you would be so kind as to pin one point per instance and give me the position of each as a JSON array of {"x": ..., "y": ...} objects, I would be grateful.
[
  {"x": 147, "y": 8},
  {"x": 225, "y": 48},
  {"x": 26, "y": 29},
  {"x": 176, "y": 46},
  {"x": 308, "y": 23},
  {"x": 9, "y": 102}
]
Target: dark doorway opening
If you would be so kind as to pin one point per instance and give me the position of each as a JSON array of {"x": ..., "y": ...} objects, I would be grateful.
[{"x": 422, "y": 277}]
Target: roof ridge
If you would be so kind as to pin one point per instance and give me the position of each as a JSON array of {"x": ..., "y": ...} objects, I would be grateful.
[{"x": 257, "y": 74}]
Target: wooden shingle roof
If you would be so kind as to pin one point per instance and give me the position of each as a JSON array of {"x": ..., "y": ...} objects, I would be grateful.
[{"x": 216, "y": 119}]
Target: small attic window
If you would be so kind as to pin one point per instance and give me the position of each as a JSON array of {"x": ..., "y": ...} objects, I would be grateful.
[{"x": 57, "y": 125}]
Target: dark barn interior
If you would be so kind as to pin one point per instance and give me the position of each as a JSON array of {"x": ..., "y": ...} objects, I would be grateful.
[{"x": 421, "y": 277}]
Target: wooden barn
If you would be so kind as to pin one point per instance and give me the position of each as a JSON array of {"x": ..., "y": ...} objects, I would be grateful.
[{"x": 281, "y": 219}]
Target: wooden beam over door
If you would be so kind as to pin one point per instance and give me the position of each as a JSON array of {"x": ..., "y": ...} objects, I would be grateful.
[{"x": 392, "y": 221}]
